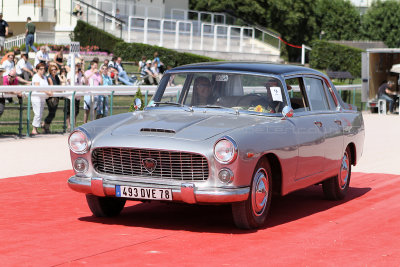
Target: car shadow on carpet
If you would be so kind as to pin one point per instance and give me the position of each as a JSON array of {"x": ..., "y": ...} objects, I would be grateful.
[{"x": 218, "y": 219}]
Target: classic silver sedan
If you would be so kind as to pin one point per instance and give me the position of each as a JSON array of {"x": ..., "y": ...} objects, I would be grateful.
[{"x": 222, "y": 133}]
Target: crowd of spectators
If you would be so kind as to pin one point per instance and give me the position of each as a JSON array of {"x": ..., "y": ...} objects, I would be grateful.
[{"x": 57, "y": 71}]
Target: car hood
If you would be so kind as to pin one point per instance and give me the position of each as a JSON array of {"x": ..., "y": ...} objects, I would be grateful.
[{"x": 184, "y": 125}]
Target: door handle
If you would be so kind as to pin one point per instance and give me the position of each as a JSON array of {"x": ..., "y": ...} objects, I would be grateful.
[
  {"x": 318, "y": 123},
  {"x": 338, "y": 122}
]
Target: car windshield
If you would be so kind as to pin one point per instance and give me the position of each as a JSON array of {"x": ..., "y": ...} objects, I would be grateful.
[{"x": 223, "y": 90}]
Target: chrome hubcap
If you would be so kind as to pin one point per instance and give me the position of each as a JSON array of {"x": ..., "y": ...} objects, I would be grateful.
[
  {"x": 344, "y": 171},
  {"x": 260, "y": 192}
]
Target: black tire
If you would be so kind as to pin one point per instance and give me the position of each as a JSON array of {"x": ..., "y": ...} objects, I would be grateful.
[
  {"x": 336, "y": 188},
  {"x": 105, "y": 206},
  {"x": 247, "y": 214}
]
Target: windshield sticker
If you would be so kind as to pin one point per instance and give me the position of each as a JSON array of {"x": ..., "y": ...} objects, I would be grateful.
[
  {"x": 221, "y": 78},
  {"x": 276, "y": 94}
]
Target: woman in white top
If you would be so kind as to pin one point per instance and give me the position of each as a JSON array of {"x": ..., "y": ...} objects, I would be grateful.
[{"x": 39, "y": 79}]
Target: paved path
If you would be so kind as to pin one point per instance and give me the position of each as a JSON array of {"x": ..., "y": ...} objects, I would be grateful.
[{"x": 48, "y": 153}]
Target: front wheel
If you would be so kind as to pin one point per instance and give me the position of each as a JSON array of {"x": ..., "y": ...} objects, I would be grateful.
[
  {"x": 253, "y": 212},
  {"x": 336, "y": 187},
  {"x": 105, "y": 206}
]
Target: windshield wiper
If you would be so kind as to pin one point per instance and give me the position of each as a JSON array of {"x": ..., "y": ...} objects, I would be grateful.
[
  {"x": 174, "y": 104},
  {"x": 217, "y": 107},
  {"x": 209, "y": 106},
  {"x": 170, "y": 103}
]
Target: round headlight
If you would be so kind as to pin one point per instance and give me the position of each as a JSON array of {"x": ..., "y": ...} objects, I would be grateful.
[
  {"x": 225, "y": 150},
  {"x": 78, "y": 142}
]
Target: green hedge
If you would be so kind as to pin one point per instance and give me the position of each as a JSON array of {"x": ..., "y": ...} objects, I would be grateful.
[
  {"x": 335, "y": 57},
  {"x": 87, "y": 34},
  {"x": 135, "y": 51}
]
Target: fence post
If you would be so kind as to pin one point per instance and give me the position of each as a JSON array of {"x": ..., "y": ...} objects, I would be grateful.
[
  {"x": 129, "y": 29},
  {"x": 177, "y": 35},
  {"x": 28, "y": 119},
  {"x": 215, "y": 38},
  {"x": 146, "y": 95},
  {"x": 241, "y": 40},
  {"x": 21, "y": 108},
  {"x": 354, "y": 96},
  {"x": 145, "y": 29},
  {"x": 104, "y": 22},
  {"x": 201, "y": 36},
  {"x": 112, "y": 102},
  {"x": 72, "y": 113},
  {"x": 161, "y": 32},
  {"x": 65, "y": 115}
]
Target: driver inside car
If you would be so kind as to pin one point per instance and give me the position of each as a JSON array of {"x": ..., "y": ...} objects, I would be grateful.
[{"x": 202, "y": 91}]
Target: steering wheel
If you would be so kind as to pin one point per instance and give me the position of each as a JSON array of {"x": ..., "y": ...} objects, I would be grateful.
[{"x": 251, "y": 100}]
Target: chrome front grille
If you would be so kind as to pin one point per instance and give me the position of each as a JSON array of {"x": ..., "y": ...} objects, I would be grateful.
[{"x": 170, "y": 164}]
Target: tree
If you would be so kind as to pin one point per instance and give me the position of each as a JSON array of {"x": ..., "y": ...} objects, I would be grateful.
[
  {"x": 381, "y": 22},
  {"x": 295, "y": 21},
  {"x": 248, "y": 10},
  {"x": 338, "y": 20}
]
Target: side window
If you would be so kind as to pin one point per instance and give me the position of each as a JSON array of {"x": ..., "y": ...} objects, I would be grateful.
[
  {"x": 331, "y": 101},
  {"x": 298, "y": 100},
  {"x": 316, "y": 95}
]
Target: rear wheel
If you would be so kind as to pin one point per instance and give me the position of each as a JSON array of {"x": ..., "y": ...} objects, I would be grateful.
[
  {"x": 336, "y": 187},
  {"x": 105, "y": 206},
  {"x": 253, "y": 212}
]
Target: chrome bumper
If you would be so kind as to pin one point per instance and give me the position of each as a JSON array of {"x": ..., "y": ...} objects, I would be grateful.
[{"x": 187, "y": 192}]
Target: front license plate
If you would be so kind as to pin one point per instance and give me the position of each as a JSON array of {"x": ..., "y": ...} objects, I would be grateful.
[{"x": 143, "y": 192}]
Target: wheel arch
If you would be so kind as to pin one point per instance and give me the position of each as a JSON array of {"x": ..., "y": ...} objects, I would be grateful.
[
  {"x": 353, "y": 151},
  {"x": 276, "y": 170}
]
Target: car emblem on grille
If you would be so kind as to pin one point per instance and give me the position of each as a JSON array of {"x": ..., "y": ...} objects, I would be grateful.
[{"x": 149, "y": 164}]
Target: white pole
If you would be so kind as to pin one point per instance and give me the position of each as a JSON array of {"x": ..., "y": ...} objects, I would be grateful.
[
  {"x": 177, "y": 35},
  {"x": 129, "y": 29},
  {"x": 215, "y": 38},
  {"x": 303, "y": 54},
  {"x": 146, "y": 20},
  {"x": 228, "y": 39},
  {"x": 241, "y": 40},
  {"x": 191, "y": 36},
  {"x": 252, "y": 40},
  {"x": 201, "y": 36},
  {"x": 161, "y": 32}
]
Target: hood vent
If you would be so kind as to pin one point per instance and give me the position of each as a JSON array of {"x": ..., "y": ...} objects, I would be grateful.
[{"x": 157, "y": 130}]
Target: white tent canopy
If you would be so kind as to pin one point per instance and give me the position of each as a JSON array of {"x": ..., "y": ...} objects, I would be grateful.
[{"x": 395, "y": 68}]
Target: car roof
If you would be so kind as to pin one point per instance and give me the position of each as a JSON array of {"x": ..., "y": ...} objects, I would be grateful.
[{"x": 256, "y": 67}]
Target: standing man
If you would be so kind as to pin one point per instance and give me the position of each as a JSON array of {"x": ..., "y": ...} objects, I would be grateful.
[
  {"x": 30, "y": 29},
  {"x": 3, "y": 32}
]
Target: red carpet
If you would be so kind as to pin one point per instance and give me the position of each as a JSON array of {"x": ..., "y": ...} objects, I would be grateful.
[{"x": 44, "y": 223}]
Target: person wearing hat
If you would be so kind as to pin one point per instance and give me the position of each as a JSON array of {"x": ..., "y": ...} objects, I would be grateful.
[
  {"x": 3, "y": 32},
  {"x": 385, "y": 92},
  {"x": 30, "y": 29},
  {"x": 147, "y": 75}
]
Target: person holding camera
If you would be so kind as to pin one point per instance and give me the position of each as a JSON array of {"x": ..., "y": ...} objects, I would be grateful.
[{"x": 92, "y": 78}]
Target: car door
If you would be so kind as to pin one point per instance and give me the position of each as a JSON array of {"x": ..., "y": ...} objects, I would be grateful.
[
  {"x": 323, "y": 107},
  {"x": 309, "y": 135}
]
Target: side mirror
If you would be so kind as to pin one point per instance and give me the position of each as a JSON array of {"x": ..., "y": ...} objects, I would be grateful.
[
  {"x": 138, "y": 103},
  {"x": 287, "y": 112}
]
